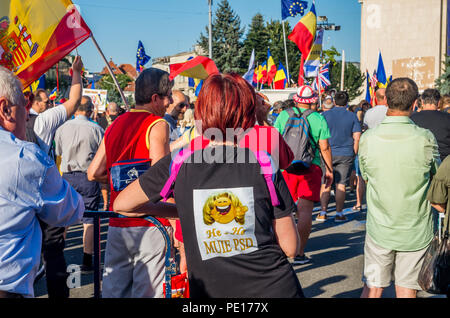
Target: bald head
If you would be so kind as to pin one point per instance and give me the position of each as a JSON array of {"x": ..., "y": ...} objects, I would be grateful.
[
  {"x": 381, "y": 96},
  {"x": 113, "y": 109},
  {"x": 179, "y": 105}
]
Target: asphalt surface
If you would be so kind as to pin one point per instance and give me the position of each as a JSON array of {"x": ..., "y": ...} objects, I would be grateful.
[{"x": 336, "y": 252}]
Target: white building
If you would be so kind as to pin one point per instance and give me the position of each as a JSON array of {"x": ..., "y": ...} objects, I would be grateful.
[{"x": 411, "y": 35}]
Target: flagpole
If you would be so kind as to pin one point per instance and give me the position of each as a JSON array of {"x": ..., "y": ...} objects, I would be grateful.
[
  {"x": 210, "y": 29},
  {"x": 342, "y": 70},
  {"x": 111, "y": 72},
  {"x": 285, "y": 52}
]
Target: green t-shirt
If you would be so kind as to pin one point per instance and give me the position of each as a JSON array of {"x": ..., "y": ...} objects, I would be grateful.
[{"x": 318, "y": 129}]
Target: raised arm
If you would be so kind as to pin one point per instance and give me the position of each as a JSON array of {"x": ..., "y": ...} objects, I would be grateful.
[{"x": 76, "y": 89}]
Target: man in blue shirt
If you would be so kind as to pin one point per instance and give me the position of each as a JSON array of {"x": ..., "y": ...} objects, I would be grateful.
[
  {"x": 31, "y": 188},
  {"x": 345, "y": 131}
]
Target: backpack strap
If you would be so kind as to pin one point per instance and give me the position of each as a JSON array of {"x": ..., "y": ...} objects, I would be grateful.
[
  {"x": 175, "y": 166},
  {"x": 177, "y": 161},
  {"x": 267, "y": 169}
]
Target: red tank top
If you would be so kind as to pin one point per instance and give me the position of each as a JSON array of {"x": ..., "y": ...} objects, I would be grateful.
[{"x": 117, "y": 137}]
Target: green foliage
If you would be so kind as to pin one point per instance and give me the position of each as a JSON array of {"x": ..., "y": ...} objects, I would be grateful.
[
  {"x": 276, "y": 44},
  {"x": 257, "y": 38},
  {"x": 330, "y": 56},
  {"x": 226, "y": 39},
  {"x": 443, "y": 82},
  {"x": 113, "y": 93},
  {"x": 353, "y": 79}
]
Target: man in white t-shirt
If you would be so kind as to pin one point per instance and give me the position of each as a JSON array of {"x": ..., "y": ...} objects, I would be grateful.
[
  {"x": 374, "y": 116},
  {"x": 41, "y": 127},
  {"x": 49, "y": 119}
]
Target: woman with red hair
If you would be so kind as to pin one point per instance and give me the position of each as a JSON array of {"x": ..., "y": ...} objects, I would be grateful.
[{"x": 238, "y": 228}]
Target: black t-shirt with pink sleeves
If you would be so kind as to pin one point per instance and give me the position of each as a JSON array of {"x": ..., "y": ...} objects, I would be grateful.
[{"x": 227, "y": 216}]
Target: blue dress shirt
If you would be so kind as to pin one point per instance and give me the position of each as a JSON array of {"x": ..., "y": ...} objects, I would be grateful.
[{"x": 30, "y": 187}]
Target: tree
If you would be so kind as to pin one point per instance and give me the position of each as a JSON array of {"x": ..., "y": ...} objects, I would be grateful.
[
  {"x": 330, "y": 56},
  {"x": 276, "y": 44},
  {"x": 108, "y": 83},
  {"x": 353, "y": 79},
  {"x": 258, "y": 39},
  {"x": 226, "y": 39},
  {"x": 443, "y": 82}
]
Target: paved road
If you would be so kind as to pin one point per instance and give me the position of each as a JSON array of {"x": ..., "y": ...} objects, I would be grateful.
[{"x": 336, "y": 250}]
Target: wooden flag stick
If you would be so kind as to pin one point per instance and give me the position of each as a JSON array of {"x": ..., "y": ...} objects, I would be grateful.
[{"x": 111, "y": 72}]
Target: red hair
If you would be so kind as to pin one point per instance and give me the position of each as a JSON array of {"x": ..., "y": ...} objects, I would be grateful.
[{"x": 226, "y": 101}]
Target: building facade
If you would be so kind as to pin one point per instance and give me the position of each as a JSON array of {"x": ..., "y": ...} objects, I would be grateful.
[{"x": 410, "y": 34}]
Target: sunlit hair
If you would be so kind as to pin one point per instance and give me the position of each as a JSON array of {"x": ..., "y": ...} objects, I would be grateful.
[
  {"x": 226, "y": 101},
  {"x": 11, "y": 88}
]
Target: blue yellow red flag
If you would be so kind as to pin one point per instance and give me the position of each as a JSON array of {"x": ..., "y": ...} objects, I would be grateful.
[
  {"x": 280, "y": 80},
  {"x": 381, "y": 73}
]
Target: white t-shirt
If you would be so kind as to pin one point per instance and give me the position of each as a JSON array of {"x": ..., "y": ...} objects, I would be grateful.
[
  {"x": 374, "y": 116},
  {"x": 46, "y": 124}
]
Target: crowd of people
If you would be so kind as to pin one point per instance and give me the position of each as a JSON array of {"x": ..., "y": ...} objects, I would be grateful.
[{"x": 219, "y": 175}]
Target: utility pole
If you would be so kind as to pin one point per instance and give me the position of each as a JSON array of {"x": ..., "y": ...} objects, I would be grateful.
[{"x": 210, "y": 2}]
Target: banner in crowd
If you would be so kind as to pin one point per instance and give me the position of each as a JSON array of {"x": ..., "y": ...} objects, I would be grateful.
[
  {"x": 34, "y": 35},
  {"x": 98, "y": 97},
  {"x": 312, "y": 63}
]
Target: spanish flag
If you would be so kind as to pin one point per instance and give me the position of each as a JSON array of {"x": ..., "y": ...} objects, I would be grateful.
[{"x": 35, "y": 35}]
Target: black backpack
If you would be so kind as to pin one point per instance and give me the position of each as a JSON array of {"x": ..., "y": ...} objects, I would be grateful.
[{"x": 297, "y": 136}]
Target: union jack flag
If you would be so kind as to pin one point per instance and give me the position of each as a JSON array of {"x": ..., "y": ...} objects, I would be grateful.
[
  {"x": 374, "y": 80},
  {"x": 323, "y": 80}
]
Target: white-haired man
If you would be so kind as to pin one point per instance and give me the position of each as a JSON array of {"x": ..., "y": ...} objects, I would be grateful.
[{"x": 30, "y": 188}]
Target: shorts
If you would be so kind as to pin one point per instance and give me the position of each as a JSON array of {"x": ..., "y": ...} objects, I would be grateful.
[
  {"x": 381, "y": 266},
  {"x": 356, "y": 163},
  {"x": 305, "y": 186},
  {"x": 89, "y": 190},
  {"x": 342, "y": 169}
]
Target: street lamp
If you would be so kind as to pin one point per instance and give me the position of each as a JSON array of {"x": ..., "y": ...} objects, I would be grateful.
[{"x": 323, "y": 24}]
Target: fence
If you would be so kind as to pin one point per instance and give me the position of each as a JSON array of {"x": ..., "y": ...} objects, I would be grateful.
[{"x": 169, "y": 264}]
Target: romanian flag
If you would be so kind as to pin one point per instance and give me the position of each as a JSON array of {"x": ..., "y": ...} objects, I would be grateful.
[
  {"x": 258, "y": 72},
  {"x": 199, "y": 67},
  {"x": 271, "y": 68},
  {"x": 369, "y": 89},
  {"x": 381, "y": 73},
  {"x": 305, "y": 31},
  {"x": 35, "y": 35},
  {"x": 53, "y": 94},
  {"x": 303, "y": 36},
  {"x": 280, "y": 80},
  {"x": 263, "y": 74}
]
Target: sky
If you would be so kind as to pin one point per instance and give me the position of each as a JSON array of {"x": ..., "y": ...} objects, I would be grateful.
[{"x": 168, "y": 27}]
